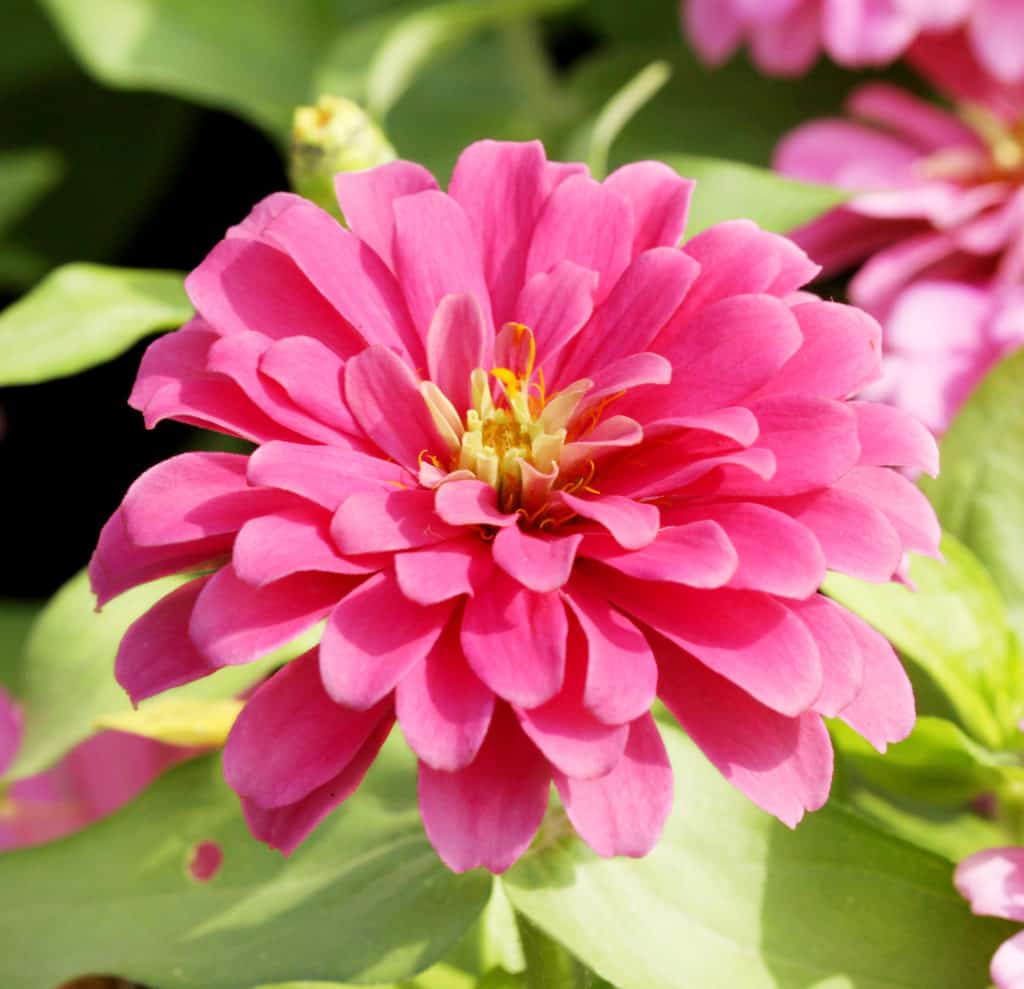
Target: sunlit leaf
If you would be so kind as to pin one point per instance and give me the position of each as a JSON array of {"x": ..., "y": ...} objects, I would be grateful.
[
  {"x": 365, "y": 899},
  {"x": 85, "y": 314}
]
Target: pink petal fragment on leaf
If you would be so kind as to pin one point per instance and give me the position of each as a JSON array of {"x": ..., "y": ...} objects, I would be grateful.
[
  {"x": 624, "y": 812},
  {"x": 992, "y": 880},
  {"x": 487, "y": 814},
  {"x": 373, "y": 638}
]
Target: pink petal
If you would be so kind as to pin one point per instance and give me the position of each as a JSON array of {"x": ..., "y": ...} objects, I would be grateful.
[
  {"x": 422, "y": 223},
  {"x": 996, "y": 29},
  {"x": 588, "y": 224},
  {"x": 470, "y": 502},
  {"x": 1007, "y": 968},
  {"x": 458, "y": 341},
  {"x": 814, "y": 441},
  {"x": 660, "y": 198},
  {"x": 384, "y": 396},
  {"x": 297, "y": 540},
  {"x": 841, "y": 662},
  {"x": 311, "y": 374},
  {"x": 487, "y": 814},
  {"x": 373, "y": 638},
  {"x": 514, "y": 640},
  {"x": 156, "y": 652},
  {"x": 349, "y": 275},
  {"x": 621, "y": 672},
  {"x": 367, "y": 200},
  {"x": 784, "y": 765},
  {"x": 10, "y": 730},
  {"x": 389, "y": 520},
  {"x": 634, "y": 313},
  {"x": 857, "y": 539},
  {"x": 194, "y": 496},
  {"x": 571, "y": 738},
  {"x": 883, "y": 710},
  {"x": 748, "y": 638},
  {"x": 789, "y": 46},
  {"x": 542, "y": 563},
  {"x": 556, "y": 305},
  {"x": 840, "y": 353},
  {"x": 291, "y": 738},
  {"x": 697, "y": 555},
  {"x": 776, "y": 554},
  {"x": 502, "y": 187},
  {"x": 903, "y": 504},
  {"x": 623, "y": 374},
  {"x": 118, "y": 564},
  {"x": 624, "y": 812},
  {"x": 867, "y": 34},
  {"x": 234, "y": 622},
  {"x": 714, "y": 28},
  {"x": 992, "y": 881},
  {"x": 247, "y": 286},
  {"x": 286, "y": 827},
  {"x": 891, "y": 437},
  {"x": 324, "y": 475},
  {"x": 727, "y": 352},
  {"x": 932, "y": 127},
  {"x": 437, "y": 573},
  {"x": 632, "y": 524},
  {"x": 737, "y": 257},
  {"x": 443, "y": 708}
]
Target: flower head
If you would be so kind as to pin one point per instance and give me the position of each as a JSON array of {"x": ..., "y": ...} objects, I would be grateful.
[
  {"x": 939, "y": 216},
  {"x": 534, "y": 464},
  {"x": 993, "y": 882},
  {"x": 786, "y": 36}
]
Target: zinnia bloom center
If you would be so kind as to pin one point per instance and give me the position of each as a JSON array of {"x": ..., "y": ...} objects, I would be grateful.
[{"x": 1004, "y": 142}]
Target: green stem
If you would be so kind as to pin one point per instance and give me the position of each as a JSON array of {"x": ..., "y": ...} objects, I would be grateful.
[{"x": 548, "y": 964}]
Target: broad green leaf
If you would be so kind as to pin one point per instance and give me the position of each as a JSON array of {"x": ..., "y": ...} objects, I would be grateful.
[
  {"x": 25, "y": 177},
  {"x": 979, "y": 494},
  {"x": 729, "y": 190},
  {"x": 441, "y": 976},
  {"x": 16, "y": 618},
  {"x": 730, "y": 897},
  {"x": 955, "y": 626},
  {"x": 364, "y": 899},
  {"x": 250, "y": 56},
  {"x": 85, "y": 314},
  {"x": 65, "y": 680},
  {"x": 420, "y": 37},
  {"x": 937, "y": 763}
]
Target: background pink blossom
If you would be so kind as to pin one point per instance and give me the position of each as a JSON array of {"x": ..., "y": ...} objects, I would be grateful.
[{"x": 993, "y": 882}]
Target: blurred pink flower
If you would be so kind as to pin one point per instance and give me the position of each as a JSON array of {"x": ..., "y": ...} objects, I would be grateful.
[
  {"x": 939, "y": 220},
  {"x": 93, "y": 780},
  {"x": 786, "y": 36},
  {"x": 993, "y": 882},
  {"x": 470, "y": 460}
]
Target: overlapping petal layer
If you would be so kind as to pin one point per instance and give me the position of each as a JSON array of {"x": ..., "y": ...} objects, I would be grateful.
[
  {"x": 533, "y": 463},
  {"x": 993, "y": 882}
]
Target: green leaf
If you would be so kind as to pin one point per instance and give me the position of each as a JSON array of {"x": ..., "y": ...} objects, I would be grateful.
[
  {"x": 979, "y": 495},
  {"x": 732, "y": 898},
  {"x": 938, "y": 763},
  {"x": 25, "y": 177},
  {"x": 65, "y": 680},
  {"x": 250, "y": 56},
  {"x": 85, "y": 314},
  {"x": 16, "y": 618},
  {"x": 955, "y": 626},
  {"x": 418, "y": 38},
  {"x": 730, "y": 190},
  {"x": 364, "y": 899},
  {"x": 441, "y": 976}
]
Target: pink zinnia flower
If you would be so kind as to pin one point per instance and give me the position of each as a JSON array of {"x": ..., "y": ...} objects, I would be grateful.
[
  {"x": 93, "y": 780},
  {"x": 786, "y": 36},
  {"x": 939, "y": 216},
  {"x": 534, "y": 464},
  {"x": 993, "y": 882}
]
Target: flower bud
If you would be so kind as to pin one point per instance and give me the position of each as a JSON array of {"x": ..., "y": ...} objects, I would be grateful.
[{"x": 334, "y": 136}]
